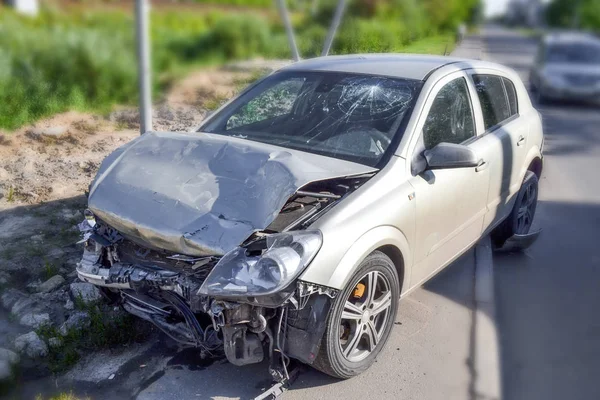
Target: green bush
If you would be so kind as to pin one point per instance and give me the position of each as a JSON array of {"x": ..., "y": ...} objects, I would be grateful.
[
  {"x": 85, "y": 59},
  {"x": 237, "y": 36},
  {"x": 47, "y": 69},
  {"x": 367, "y": 36}
]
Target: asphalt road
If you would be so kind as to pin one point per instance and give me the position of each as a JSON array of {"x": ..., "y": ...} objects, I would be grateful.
[
  {"x": 548, "y": 299},
  {"x": 426, "y": 357}
]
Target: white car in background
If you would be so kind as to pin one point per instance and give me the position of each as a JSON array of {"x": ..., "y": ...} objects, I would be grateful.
[
  {"x": 567, "y": 67},
  {"x": 291, "y": 223}
]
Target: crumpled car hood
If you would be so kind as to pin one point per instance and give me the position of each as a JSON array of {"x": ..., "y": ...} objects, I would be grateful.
[{"x": 202, "y": 194}]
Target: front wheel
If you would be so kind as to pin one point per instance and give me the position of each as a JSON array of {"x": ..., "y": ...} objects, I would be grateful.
[{"x": 361, "y": 319}]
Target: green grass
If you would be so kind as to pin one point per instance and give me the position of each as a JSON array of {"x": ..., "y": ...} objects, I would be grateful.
[
  {"x": 85, "y": 60},
  {"x": 49, "y": 270},
  {"x": 107, "y": 330},
  {"x": 437, "y": 44},
  {"x": 62, "y": 396}
]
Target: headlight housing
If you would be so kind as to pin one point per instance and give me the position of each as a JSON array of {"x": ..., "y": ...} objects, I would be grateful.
[{"x": 249, "y": 273}]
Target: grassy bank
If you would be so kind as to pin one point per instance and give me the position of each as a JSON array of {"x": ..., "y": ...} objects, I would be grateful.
[{"x": 85, "y": 61}]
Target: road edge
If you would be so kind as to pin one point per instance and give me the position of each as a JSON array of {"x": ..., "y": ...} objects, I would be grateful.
[{"x": 486, "y": 360}]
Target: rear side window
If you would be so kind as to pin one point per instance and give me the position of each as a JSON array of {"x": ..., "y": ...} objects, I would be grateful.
[
  {"x": 512, "y": 96},
  {"x": 493, "y": 99}
]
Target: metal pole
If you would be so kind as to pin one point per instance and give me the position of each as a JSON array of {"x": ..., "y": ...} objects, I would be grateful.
[
  {"x": 288, "y": 28},
  {"x": 337, "y": 17},
  {"x": 143, "y": 53}
]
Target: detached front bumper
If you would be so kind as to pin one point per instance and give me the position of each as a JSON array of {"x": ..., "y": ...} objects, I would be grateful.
[{"x": 243, "y": 331}]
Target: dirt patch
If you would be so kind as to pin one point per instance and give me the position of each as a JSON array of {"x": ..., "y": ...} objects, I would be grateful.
[
  {"x": 56, "y": 158},
  {"x": 45, "y": 171}
]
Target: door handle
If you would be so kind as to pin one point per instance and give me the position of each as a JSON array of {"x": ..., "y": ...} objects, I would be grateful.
[
  {"x": 482, "y": 166},
  {"x": 520, "y": 141}
]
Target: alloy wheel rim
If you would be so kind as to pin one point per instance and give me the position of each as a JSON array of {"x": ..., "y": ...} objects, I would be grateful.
[
  {"x": 525, "y": 212},
  {"x": 365, "y": 317}
]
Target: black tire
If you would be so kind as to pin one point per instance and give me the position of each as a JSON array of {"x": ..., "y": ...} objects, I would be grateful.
[
  {"x": 330, "y": 359},
  {"x": 512, "y": 224}
]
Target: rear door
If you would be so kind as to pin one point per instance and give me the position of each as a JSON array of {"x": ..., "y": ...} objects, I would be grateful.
[{"x": 506, "y": 141}]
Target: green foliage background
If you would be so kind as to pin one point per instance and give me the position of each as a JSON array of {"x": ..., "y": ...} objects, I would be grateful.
[
  {"x": 561, "y": 13},
  {"x": 84, "y": 59}
]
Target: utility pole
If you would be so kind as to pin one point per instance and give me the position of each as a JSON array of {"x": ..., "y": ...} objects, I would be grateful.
[
  {"x": 283, "y": 12},
  {"x": 576, "y": 20},
  {"x": 143, "y": 53},
  {"x": 337, "y": 18}
]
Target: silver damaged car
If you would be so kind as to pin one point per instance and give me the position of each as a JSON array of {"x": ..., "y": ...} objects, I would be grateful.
[{"x": 291, "y": 223}]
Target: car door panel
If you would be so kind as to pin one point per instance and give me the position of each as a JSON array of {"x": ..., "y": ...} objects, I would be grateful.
[
  {"x": 450, "y": 208},
  {"x": 450, "y": 203},
  {"x": 506, "y": 144}
]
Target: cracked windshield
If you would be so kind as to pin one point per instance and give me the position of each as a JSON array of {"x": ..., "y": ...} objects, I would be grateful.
[
  {"x": 338, "y": 115},
  {"x": 299, "y": 199}
]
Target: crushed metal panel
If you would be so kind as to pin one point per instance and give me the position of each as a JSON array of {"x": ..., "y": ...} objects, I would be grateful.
[{"x": 202, "y": 194}]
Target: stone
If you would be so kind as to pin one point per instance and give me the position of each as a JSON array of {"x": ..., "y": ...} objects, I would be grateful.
[
  {"x": 5, "y": 370},
  {"x": 4, "y": 277},
  {"x": 31, "y": 345},
  {"x": 9, "y": 355},
  {"x": 50, "y": 132},
  {"x": 22, "y": 306},
  {"x": 69, "y": 305},
  {"x": 33, "y": 286},
  {"x": 55, "y": 342},
  {"x": 77, "y": 320},
  {"x": 55, "y": 253},
  {"x": 86, "y": 291},
  {"x": 10, "y": 297},
  {"x": 35, "y": 320},
  {"x": 51, "y": 284}
]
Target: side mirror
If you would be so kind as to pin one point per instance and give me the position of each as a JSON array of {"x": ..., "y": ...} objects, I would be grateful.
[{"x": 449, "y": 155}]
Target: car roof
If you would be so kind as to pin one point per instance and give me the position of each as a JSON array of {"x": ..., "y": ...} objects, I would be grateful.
[
  {"x": 408, "y": 66},
  {"x": 570, "y": 38}
]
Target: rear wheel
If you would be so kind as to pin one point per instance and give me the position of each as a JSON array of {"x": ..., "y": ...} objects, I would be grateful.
[
  {"x": 520, "y": 219},
  {"x": 361, "y": 319}
]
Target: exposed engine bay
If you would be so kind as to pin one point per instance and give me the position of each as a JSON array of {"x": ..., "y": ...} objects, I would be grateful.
[{"x": 246, "y": 303}]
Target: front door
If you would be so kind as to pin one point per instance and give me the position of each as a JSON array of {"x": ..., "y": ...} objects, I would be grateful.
[{"x": 450, "y": 203}]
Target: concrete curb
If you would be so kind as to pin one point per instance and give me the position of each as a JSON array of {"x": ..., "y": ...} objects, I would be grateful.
[{"x": 486, "y": 360}]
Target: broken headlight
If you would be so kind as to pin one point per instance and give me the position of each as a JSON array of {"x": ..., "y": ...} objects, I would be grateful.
[{"x": 241, "y": 273}]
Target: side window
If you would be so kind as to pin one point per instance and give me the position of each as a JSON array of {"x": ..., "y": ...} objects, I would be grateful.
[
  {"x": 492, "y": 97},
  {"x": 450, "y": 118},
  {"x": 274, "y": 102},
  {"x": 512, "y": 96}
]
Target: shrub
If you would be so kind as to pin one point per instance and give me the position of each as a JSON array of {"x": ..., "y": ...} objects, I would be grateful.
[
  {"x": 237, "y": 36},
  {"x": 368, "y": 36},
  {"x": 48, "y": 69}
]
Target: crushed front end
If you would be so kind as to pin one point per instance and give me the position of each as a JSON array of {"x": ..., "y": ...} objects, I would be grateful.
[{"x": 248, "y": 303}]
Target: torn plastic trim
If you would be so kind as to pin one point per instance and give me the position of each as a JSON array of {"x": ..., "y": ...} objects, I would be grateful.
[{"x": 517, "y": 242}]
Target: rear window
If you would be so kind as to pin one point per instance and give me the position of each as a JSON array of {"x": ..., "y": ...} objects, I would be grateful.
[
  {"x": 512, "y": 96},
  {"x": 493, "y": 99}
]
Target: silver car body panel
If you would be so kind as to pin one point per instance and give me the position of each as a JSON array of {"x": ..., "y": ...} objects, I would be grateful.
[
  {"x": 388, "y": 211},
  {"x": 202, "y": 194},
  {"x": 382, "y": 213}
]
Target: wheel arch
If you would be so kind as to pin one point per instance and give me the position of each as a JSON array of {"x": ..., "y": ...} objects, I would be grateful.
[
  {"x": 535, "y": 166},
  {"x": 533, "y": 162},
  {"x": 387, "y": 239},
  {"x": 397, "y": 258}
]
